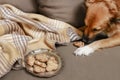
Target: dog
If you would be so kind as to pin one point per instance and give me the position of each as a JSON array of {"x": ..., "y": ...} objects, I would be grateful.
[{"x": 103, "y": 16}]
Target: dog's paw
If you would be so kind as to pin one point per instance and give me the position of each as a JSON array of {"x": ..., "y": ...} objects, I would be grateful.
[{"x": 86, "y": 50}]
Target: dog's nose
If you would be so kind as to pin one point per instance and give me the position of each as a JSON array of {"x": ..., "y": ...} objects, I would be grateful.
[{"x": 85, "y": 39}]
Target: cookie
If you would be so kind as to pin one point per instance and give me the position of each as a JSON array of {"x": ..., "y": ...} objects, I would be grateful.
[
  {"x": 78, "y": 44},
  {"x": 41, "y": 64},
  {"x": 38, "y": 69},
  {"x": 42, "y": 57},
  {"x": 30, "y": 60}
]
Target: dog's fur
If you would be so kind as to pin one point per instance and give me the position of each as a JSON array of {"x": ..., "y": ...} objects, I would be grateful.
[{"x": 102, "y": 17}]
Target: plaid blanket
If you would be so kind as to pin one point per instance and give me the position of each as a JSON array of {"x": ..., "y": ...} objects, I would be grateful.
[{"x": 22, "y": 32}]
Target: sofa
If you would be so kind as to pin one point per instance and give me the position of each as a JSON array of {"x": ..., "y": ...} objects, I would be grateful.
[{"x": 102, "y": 65}]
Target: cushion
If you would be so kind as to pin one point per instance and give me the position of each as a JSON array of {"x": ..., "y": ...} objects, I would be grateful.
[
  {"x": 25, "y": 5},
  {"x": 71, "y": 11}
]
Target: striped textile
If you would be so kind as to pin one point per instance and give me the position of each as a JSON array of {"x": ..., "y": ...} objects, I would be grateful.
[{"x": 22, "y": 32}]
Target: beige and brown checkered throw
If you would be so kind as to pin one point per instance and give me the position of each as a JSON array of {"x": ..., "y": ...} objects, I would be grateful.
[{"x": 22, "y": 32}]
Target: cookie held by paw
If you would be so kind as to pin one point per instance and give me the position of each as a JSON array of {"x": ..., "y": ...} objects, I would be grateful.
[{"x": 78, "y": 44}]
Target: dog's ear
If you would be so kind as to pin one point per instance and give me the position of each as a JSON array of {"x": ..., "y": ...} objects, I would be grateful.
[
  {"x": 89, "y": 2},
  {"x": 110, "y": 3},
  {"x": 112, "y": 6}
]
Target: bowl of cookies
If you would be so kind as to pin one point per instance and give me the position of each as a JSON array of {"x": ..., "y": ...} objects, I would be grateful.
[{"x": 43, "y": 63}]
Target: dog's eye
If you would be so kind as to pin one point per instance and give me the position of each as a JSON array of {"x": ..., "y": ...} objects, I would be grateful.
[{"x": 95, "y": 29}]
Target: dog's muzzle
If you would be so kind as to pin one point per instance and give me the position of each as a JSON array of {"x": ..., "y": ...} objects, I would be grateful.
[
  {"x": 99, "y": 36},
  {"x": 86, "y": 40}
]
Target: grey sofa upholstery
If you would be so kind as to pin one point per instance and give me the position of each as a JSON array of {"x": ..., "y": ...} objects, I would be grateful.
[{"x": 101, "y": 65}]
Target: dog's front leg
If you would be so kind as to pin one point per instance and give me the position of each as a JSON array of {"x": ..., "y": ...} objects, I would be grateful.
[{"x": 104, "y": 43}]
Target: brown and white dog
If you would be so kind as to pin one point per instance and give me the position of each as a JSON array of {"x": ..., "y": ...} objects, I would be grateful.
[{"x": 103, "y": 16}]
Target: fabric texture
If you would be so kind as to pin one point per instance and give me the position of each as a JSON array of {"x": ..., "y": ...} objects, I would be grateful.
[
  {"x": 23, "y": 32},
  {"x": 69, "y": 11}
]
